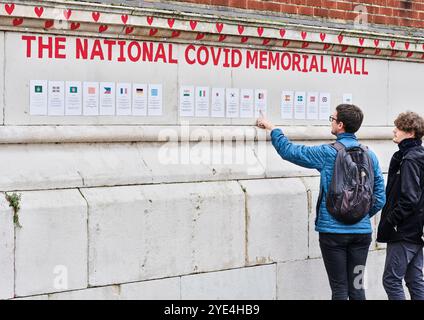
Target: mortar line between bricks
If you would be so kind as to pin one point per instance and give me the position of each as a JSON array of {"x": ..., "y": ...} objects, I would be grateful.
[
  {"x": 88, "y": 238},
  {"x": 246, "y": 225},
  {"x": 146, "y": 280}
]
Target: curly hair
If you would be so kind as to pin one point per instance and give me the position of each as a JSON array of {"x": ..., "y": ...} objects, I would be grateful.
[{"x": 410, "y": 122}]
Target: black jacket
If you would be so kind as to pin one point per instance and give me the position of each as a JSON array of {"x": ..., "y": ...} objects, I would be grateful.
[{"x": 402, "y": 217}]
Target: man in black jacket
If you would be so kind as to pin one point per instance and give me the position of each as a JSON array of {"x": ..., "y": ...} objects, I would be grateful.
[{"x": 402, "y": 218}]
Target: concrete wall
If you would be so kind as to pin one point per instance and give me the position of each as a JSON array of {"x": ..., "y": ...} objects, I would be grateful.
[
  {"x": 235, "y": 238},
  {"x": 122, "y": 208}
]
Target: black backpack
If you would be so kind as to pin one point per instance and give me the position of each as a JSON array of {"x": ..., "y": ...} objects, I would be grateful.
[{"x": 350, "y": 195}]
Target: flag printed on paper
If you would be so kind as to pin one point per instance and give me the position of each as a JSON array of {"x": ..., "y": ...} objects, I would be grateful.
[
  {"x": 324, "y": 99},
  {"x": 202, "y": 93},
  {"x": 139, "y": 91},
  {"x": 186, "y": 93},
  {"x": 287, "y": 97},
  {"x": 38, "y": 89},
  {"x": 300, "y": 98},
  {"x": 124, "y": 91},
  {"x": 261, "y": 95},
  {"x": 56, "y": 89},
  {"x": 108, "y": 90},
  {"x": 73, "y": 89},
  {"x": 91, "y": 90},
  {"x": 154, "y": 92},
  {"x": 312, "y": 98}
]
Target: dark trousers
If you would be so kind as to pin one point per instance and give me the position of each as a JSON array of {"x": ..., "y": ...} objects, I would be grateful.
[
  {"x": 345, "y": 256},
  {"x": 404, "y": 261}
]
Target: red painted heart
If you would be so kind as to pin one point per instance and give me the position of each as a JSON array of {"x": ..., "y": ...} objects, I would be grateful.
[
  {"x": 360, "y": 50},
  {"x": 222, "y": 37},
  {"x": 175, "y": 34},
  {"x": 260, "y": 31},
  {"x": 344, "y": 48},
  {"x": 75, "y": 25},
  {"x": 409, "y": 54},
  {"x": 129, "y": 30},
  {"x": 150, "y": 20},
  {"x": 200, "y": 36},
  {"x": 340, "y": 38},
  {"x": 48, "y": 24},
  {"x": 244, "y": 39},
  {"x": 326, "y": 46},
  {"x": 240, "y": 29},
  {"x": 171, "y": 22},
  {"x": 9, "y": 8},
  {"x": 67, "y": 13},
  {"x": 361, "y": 41},
  {"x": 376, "y": 42},
  {"x": 152, "y": 32},
  {"x": 103, "y": 28},
  {"x": 394, "y": 52},
  {"x": 282, "y": 32},
  {"x": 193, "y": 25},
  {"x": 219, "y": 26},
  {"x": 322, "y": 36},
  {"x": 406, "y": 45},
  {"x": 377, "y": 51},
  {"x": 286, "y": 43},
  {"x": 96, "y": 16},
  {"x": 305, "y": 45},
  {"x": 39, "y": 11},
  {"x": 124, "y": 18},
  {"x": 392, "y": 43},
  {"x": 266, "y": 41},
  {"x": 18, "y": 21},
  {"x": 303, "y": 35}
]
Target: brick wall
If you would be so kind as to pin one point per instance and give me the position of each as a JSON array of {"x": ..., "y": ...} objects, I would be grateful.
[{"x": 405, "y": 13}]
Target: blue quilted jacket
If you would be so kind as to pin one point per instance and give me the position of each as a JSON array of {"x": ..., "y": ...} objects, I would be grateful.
[{"x": 322, "y": 158}]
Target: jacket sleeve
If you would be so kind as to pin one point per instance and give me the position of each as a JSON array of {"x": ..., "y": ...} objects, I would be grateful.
[
  {"x": 379, "y": 191},
  {"x": 410, "y": 192},
  {"x": 309, "y": 157}
]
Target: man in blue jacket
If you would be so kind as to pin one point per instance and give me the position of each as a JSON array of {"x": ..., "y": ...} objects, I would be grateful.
[{"x": 344, "y": 247}]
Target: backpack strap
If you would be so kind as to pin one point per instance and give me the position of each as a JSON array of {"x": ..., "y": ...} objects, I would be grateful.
[
  {"x": 364, "y": 148},
  {"x": 338, "y": 146}
]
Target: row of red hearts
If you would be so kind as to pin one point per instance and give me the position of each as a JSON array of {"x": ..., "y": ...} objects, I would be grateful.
[{"x": 9, "y": 8}]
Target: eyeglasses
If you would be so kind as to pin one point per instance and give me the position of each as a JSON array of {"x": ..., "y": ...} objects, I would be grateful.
[{"x": 331, "y": 119}]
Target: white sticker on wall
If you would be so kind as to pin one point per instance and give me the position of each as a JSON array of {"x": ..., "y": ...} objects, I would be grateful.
[
  {"x": 246, "y": 103},
  {"x": 123, "y": 99},
  {"x": 260, "y": 102},
  {"x": 202, "y": 101},
  {"x": 187, "y": 101},
  {"x": 155, "y": 100},
  {"x": 233, "y": 102},
  {"x": 218, "y": 103},
  {"x": 139, "y": 99},
  {"x": 107, "y": 98},
  {"x": 324, "y": 105},
  {"x": 73, "y": 98},
  {"x": 312, "y": 105},
  {"x": 90, "y": 99},
  {"x": 56, "y": 98},
  {"x": 300, "y": 105},
  {"x": 287, "y": 104},
  {"x": 38, "y": 98}
]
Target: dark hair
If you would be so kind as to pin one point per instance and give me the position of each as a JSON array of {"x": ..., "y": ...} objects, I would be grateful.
[
  {"x": 410, "y": 122},
  {"x": 351, "y": 116}
]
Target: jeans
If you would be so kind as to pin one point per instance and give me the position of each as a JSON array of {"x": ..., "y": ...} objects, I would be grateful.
[
  {"x": 404, "y": 261},
  {"x": 345, "y": 256}
]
